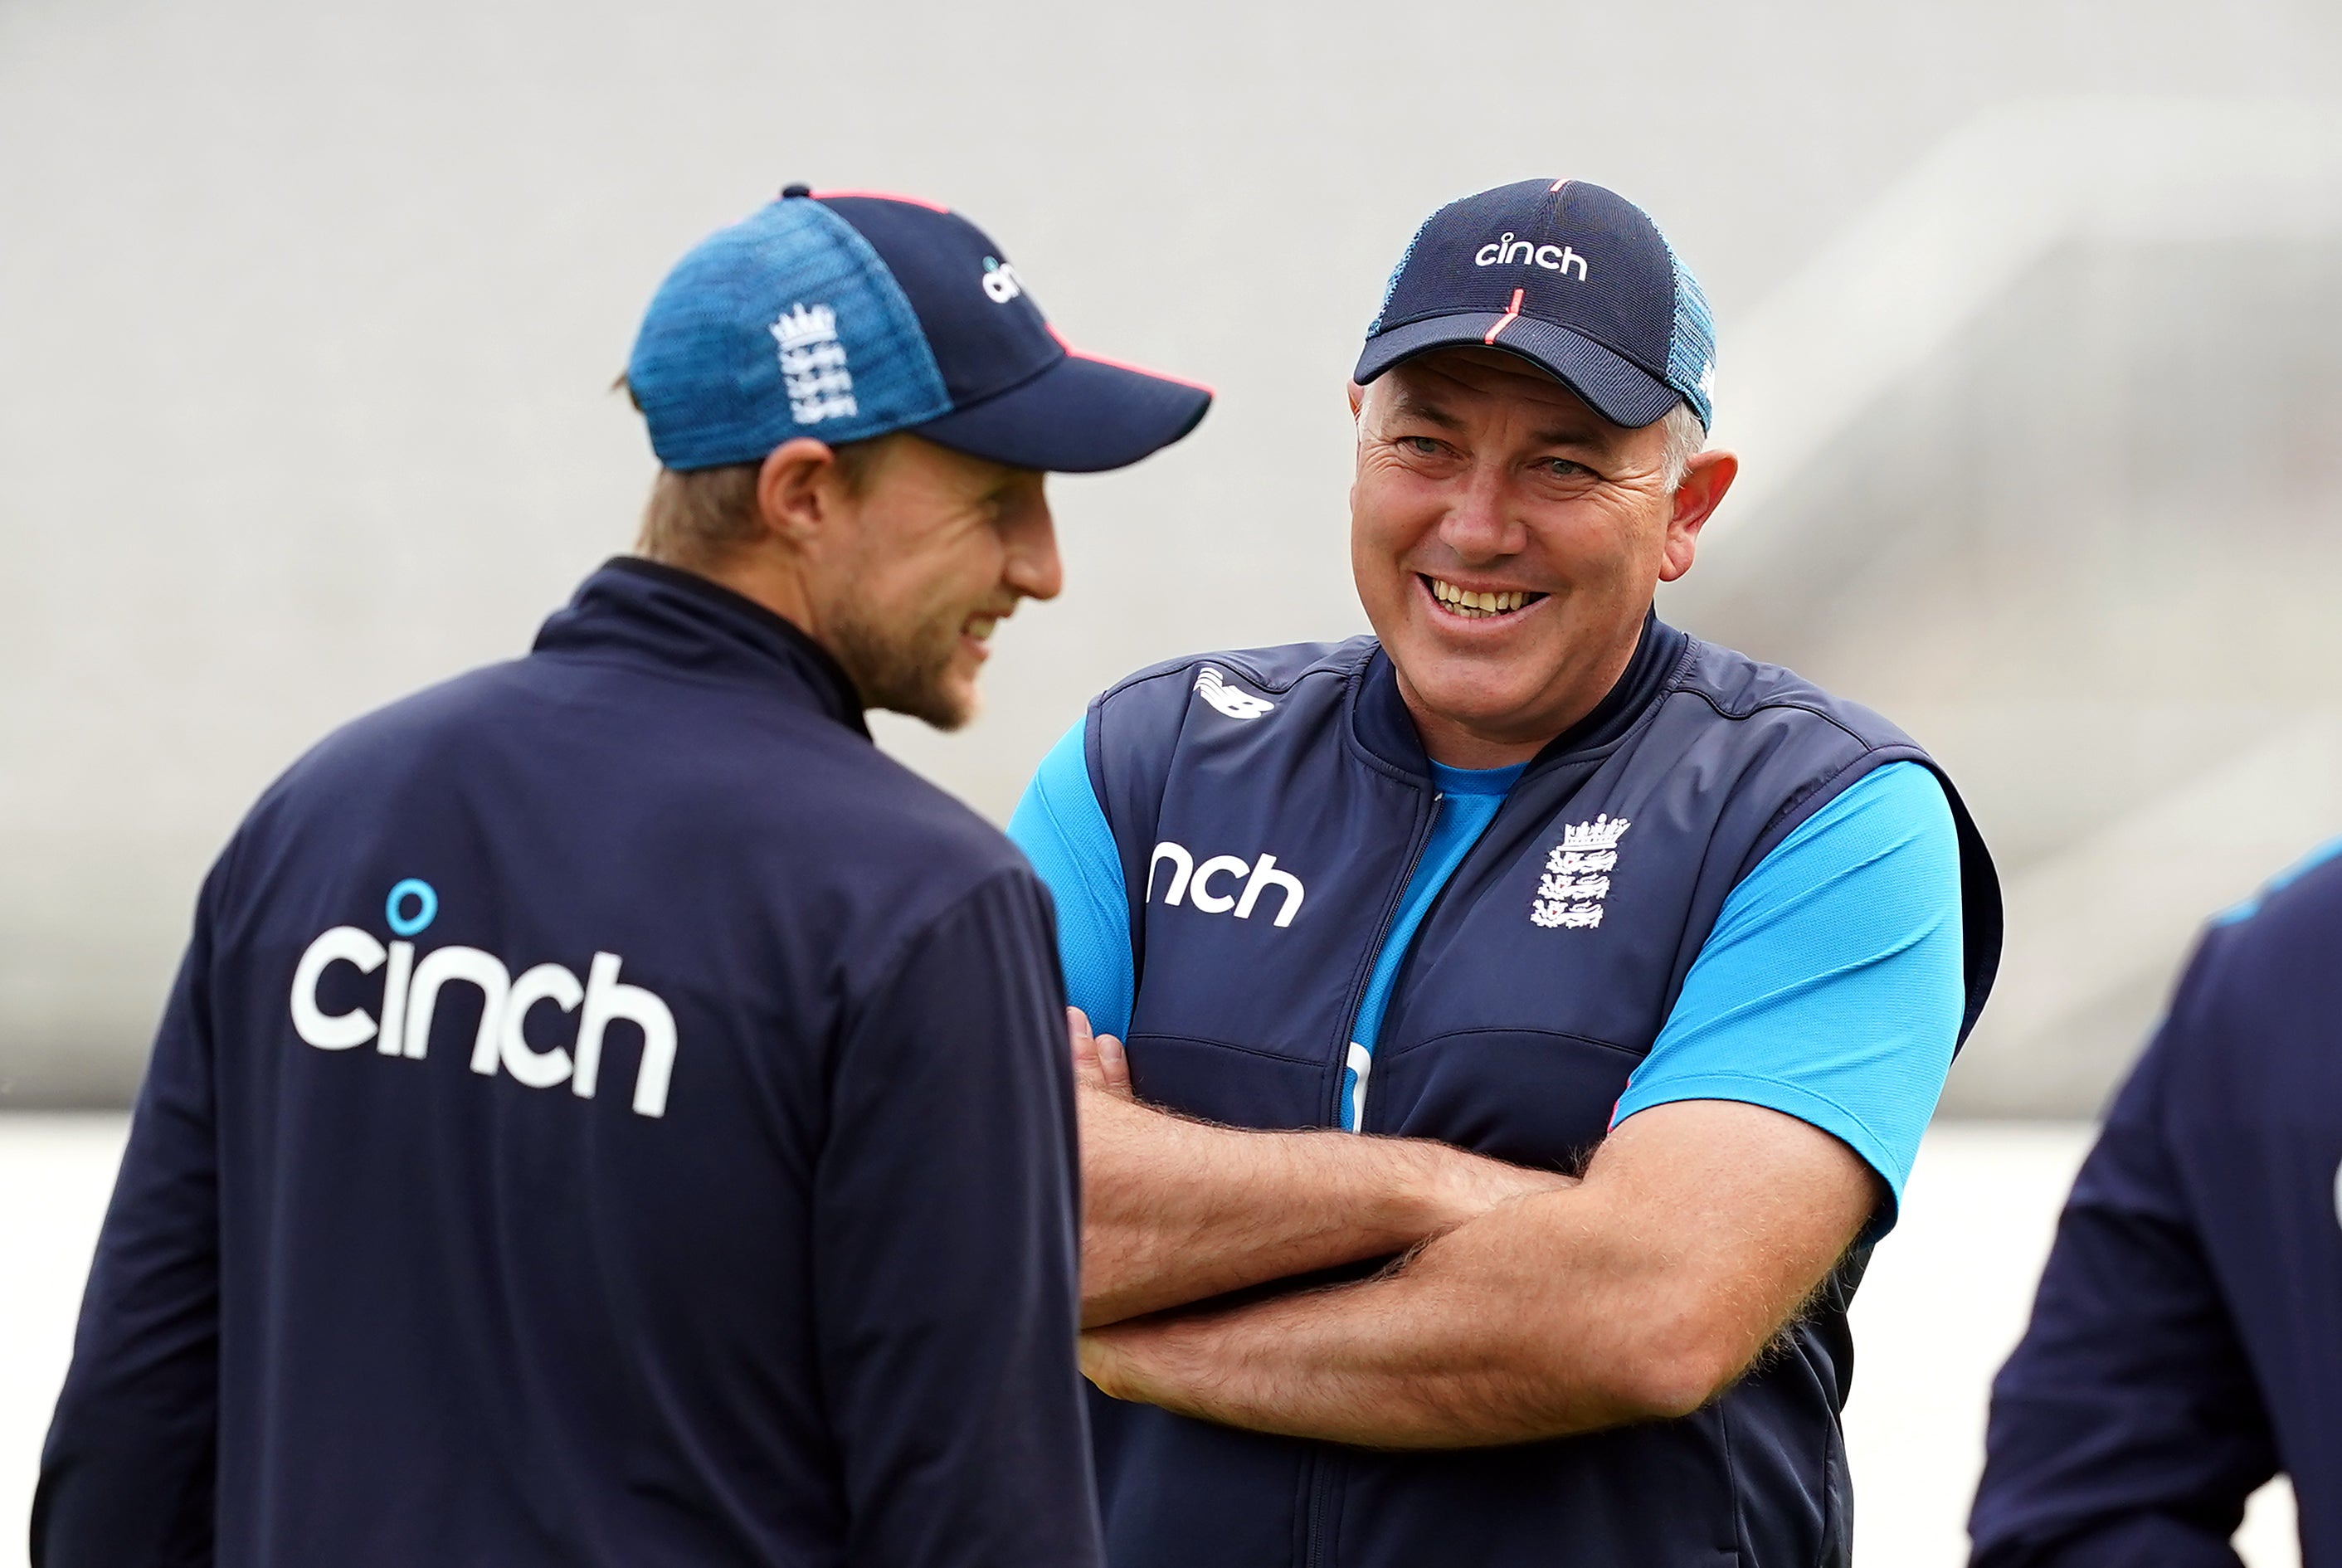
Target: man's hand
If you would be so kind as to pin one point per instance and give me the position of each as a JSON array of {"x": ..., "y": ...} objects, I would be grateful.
[
  {"x": 1099, "y": 1060},
  {"x": 1174, "y": 1210},
  {"x": 1700, "y": 1229}
]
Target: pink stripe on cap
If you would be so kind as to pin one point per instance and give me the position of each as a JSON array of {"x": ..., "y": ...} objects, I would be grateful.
[
  {"x": 885, "y": 196},
  {"x": 1147, "y": 370},
  {"x": 1511, "y": 314}
]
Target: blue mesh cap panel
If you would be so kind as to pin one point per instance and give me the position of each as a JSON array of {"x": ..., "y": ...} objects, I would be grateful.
[
  {"x": 1390, "y": 283},
  {"x": 786, "y": 324},
  {"x": 1691, "y": 346}
]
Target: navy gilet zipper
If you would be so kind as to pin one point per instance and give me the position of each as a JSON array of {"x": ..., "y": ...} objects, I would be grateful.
[
  {"x": 1423, "y": 827},
  {"x": 1317, "y": 1523}
]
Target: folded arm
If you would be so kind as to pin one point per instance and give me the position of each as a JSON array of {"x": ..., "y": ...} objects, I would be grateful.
[
  {"x": 1176, "y": 1211},
  {"x": 1700, "y": 1229}
]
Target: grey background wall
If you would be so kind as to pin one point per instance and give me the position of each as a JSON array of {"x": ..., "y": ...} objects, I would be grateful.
[{"x": 307, "y": 315}]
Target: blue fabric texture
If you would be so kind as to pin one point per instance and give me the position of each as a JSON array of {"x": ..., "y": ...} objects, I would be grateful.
[
  {"x": 1829, "y": 989},
  {"x": 1468, "y": 803},
  {"x": 1691, "y": 345},
  {"x": 1062, "y": 831},
  {"x": 786, "y": 324}
]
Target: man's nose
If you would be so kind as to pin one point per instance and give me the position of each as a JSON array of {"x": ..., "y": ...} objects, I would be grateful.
[
  {"x": 1479, "y": 525},
  {"x": 1033, "y": 568}
]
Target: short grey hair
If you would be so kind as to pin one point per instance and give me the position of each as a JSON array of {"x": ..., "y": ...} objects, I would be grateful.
[{"x": 1685, "y": 438}]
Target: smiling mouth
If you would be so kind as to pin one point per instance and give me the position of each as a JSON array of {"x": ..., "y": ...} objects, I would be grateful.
[
  {"x": 976, "y": 632},
  {"x": 1471, "y": 604}
]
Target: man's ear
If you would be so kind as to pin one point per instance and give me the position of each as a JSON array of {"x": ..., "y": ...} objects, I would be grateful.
[
  {"x": 797, "y": 489},
  {"x": 1705, "y": 479},
  {"x": 1357, "y": 398}
]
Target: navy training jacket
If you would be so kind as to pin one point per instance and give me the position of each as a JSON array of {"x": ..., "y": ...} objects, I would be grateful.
[
  {"x": 609, "y": 1113},
  {"x": 2187, "y": 1339},
  {"x": 1268, "y": 807}
]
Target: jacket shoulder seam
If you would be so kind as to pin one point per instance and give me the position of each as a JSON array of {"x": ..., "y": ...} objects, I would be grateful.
[{"x": 1237, "y": 662}]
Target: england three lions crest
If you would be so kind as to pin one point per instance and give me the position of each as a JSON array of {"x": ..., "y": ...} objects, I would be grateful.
[{"x": 1577, "y": 874}]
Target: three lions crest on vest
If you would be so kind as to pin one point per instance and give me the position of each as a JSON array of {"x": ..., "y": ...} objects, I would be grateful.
[{"x": 1577, "y": 874}]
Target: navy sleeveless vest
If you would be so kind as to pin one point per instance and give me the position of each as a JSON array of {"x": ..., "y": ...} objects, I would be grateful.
[{"x": 1268, "y": 807}]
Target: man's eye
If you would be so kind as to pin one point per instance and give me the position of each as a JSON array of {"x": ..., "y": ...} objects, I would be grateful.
[
  {"x": 1421, "y": 445},
  {"x": 1562, "y": 468}
]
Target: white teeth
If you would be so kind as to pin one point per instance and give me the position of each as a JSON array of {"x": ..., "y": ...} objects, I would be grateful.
[
  {"x": 1472, "y": 604},
  {"x": 981, "y": 627}
]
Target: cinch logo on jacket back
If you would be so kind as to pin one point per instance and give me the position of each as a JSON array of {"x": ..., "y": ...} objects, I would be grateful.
[
  {"x": 1193, "y": 882},
  {"x": 411, "y": 993}
]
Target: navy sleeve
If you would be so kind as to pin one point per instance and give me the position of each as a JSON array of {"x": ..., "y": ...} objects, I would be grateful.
[
  {"x": 947, "y": 1253},
  {"x": 2126, "y": 1427},
  {"x": 127, "y": 1474}
]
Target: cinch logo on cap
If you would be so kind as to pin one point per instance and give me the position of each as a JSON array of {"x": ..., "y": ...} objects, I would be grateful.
[
  {"x": 1507, "y": 251},
  {"x": 1572, "y": 277},
  {"x": 1001, "y": 283}
]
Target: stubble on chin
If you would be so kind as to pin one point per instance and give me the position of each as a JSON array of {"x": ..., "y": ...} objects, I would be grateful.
[{"x": 904, "y": 672}]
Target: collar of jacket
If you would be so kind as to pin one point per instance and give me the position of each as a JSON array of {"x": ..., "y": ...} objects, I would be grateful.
[
  {"x": 1385, "y": 728},
  {"x": 682, "y": 621}
]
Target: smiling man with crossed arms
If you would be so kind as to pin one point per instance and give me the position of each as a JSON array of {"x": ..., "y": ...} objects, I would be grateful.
[{"x": 1525, "y": 877}]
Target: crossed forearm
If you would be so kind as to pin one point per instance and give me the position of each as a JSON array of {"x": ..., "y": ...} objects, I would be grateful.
[
  {"x": 1640, "y": 1294},
  {"x": 1176, "y": 1211},
  {"x": 1490, "y": 1335}
]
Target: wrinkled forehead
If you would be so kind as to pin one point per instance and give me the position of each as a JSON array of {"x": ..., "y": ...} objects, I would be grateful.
[{"x": 1460, "y": 384}]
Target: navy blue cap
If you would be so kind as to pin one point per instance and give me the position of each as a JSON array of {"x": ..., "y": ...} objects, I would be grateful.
[
  {"x": 1572, "y": 277},
  {"x": 848, "y": 314}
]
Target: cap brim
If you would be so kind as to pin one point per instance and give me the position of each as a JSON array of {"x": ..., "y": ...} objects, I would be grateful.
[
  {"x": 1618, "y": 389},
  {"x": 1081, "y": 416}
]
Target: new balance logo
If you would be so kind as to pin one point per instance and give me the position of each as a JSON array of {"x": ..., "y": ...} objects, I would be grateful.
[
  {"x": 1232, "y": 701},
  {"x": 1576, "y": 878},
  {"x": 411, "y": 987},
  {"x": 1193, "y": 882}
]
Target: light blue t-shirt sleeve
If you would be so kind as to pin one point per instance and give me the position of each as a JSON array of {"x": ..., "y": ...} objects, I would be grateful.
[
  {"x": 1830, "y": 988},
  {"x": 1062, "y": 831}
]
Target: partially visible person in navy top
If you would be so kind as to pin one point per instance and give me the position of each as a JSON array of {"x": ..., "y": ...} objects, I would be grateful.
[
  {"x": 1639, "y": 964},
  {"x": 2186, "y": 1340},
  {"x": 608, "y": 1113}
]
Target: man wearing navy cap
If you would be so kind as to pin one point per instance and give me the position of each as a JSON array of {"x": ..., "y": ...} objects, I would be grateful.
[
  {"x": 609, "y": 1113},
  {"x": 1637, "y": 963}
]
